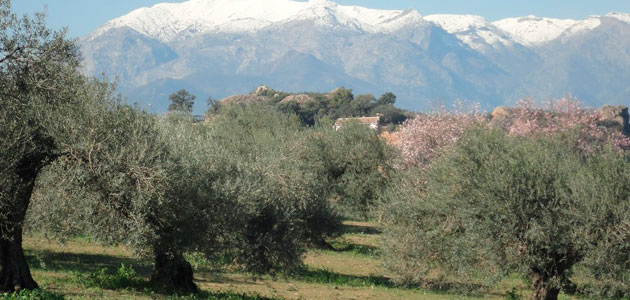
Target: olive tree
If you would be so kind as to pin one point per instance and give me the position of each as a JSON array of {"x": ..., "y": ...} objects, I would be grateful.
[
  {"x": 282, "y": 204},
  {"x": 148, "y": 191},
  {"x": 40, "y": 100},
  {"x": 115, "y": 163},
  {"x": 497, "y": 204},
  {"x": 142, "y": 181},
  {"x": 608, "y": 261},
  {"x": 354, "y": 162}
]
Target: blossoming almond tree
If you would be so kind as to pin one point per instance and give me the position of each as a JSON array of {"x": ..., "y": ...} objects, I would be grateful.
[
  {"x": 422, "y": 137},
  {"x": 564, "y": 115}
]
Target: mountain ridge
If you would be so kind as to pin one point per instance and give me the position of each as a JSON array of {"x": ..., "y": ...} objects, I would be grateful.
[{"x": 211, "y": 46}]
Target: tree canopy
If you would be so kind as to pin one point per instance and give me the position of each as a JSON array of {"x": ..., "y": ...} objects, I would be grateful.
[{"x": 181, "y": 101}]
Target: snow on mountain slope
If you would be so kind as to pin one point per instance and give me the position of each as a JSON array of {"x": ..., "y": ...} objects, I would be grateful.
[
  {"x": 590, "y": 23},
  {"x": 474, "y": 31},
  {"x": 534, "y": 31},
  {"x": 368, "y": 16},
  {"x": 223, "y": 47},
  {"x": 167, "y": 21},
  {"x": 619, "y": 16},
  {"x": 457, "y": 23},
  {"x": 406, "y": 17},
  {"x": 328, "y": 14}
]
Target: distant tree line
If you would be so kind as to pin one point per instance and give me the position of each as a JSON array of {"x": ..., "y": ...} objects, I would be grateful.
[{"x": 338, "y": 104}]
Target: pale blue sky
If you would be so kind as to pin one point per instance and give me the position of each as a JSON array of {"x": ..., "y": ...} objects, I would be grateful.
[{"x": 83, "y": 16}]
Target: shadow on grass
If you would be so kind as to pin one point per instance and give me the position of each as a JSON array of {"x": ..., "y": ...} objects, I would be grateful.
[
  {"x": 450, "y": 287},
  {"x": 114, "y": 273},
  {"x": 220, "y": 296},
  {"x": 74, "y": 262},
  {"x": 357, "y": 249},
  {"x": 440, "y": 287},
  {"x": 356, "y": 228}
]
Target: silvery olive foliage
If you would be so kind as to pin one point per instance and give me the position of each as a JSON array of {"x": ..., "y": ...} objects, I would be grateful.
[
  {"x": 44, "y": 102},
  {"x": 142, "y": 180},
  {"x": 238, "y": 184},
  {"x": 355, "y": 164},
  {"x": 38, "y": 82},
  {"x": 281, "y": 204}
]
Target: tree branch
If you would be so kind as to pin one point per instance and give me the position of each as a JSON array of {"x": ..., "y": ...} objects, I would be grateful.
[{"x": 10, "y": 55}]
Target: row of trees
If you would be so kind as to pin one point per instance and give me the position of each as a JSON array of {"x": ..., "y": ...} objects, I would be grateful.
[
  {"x": 252, "y": 184},
  {"x": 539, "y": 194},
  {"x": 249, "y": 185}
]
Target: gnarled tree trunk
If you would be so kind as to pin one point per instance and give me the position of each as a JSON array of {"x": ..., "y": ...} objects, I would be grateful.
[
  {"x": 173, "y": 272},
  {"x": 543, "y": 288},
  {"x": 14, "y": 271}
]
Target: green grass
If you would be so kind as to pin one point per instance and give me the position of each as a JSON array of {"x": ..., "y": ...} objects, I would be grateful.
[
  {"x": 80, "y": 269},
  {"x": 220, "y": 296},
  {"x": 328, "y": 277},
  {"x": 123, "y": 278},
  {"x": 31, "y": 295},
  {"x": 204, "y": 295},
  {"x": 199, "y": 261},
  {"x": 356, "y": 249}
]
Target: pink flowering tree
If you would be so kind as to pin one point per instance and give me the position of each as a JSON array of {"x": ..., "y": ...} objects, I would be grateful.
[
  {"x": 422, "y": 138},
  {"x": 562, "y": 116}
]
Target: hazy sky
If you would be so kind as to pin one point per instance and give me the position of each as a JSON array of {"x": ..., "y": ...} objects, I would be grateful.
[{"x": 83, "y": 16}]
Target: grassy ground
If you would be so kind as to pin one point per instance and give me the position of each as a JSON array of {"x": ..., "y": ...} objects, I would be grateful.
[{"x": 76, "y": 270}]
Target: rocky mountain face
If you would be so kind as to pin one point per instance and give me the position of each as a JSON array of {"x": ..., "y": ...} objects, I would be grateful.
[{"x": 219, "y": 48}]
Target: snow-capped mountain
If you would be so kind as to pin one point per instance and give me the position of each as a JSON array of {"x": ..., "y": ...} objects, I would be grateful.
[
  {"x": 222, "y": 47},
  {"x": 532, "y": 30},
  {"x": 169, "y": 21},
  {"x": 474, "y": 31}
]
